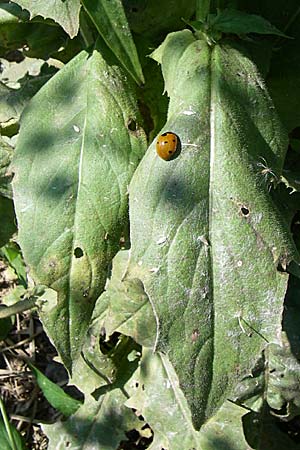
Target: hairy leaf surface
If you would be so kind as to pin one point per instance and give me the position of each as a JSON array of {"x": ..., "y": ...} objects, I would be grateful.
[
  {"x": 206, "y": 236},
  {"x": 13, "y": 101},
  {"x": 74, "y": 159},
  {"x": 6, "y": 152},
  {"x": 98, "y": 424},
  {"x": 64, "y": 12},
  {"x": 158, "y": 385}
]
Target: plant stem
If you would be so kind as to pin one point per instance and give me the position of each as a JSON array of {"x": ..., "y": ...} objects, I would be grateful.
[
  {"x": 18, "y": 307},
  {"x": 202, "y": 9},
  {"x": 7, "y": 426}
]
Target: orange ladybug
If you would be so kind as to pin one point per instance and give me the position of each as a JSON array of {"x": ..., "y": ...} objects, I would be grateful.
[{"x": 166, "y": 145}]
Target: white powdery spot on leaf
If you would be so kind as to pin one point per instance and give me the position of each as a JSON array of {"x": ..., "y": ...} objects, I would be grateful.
[
  {"x": 162, "y": 240},
  {"x": 76, "y": 128}
]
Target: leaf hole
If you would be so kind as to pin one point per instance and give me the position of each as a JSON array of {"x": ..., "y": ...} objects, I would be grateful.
[
  {"x": 133, "y": 436},
  {"x": 78, "y": 252},
  {"x": 14, "y": 56},
  {"x": 245, "y": 211},
  {"x": 281, "y": 267},
  {"x": 132, "y": 125},
  {"x": 107, "y": 346}
]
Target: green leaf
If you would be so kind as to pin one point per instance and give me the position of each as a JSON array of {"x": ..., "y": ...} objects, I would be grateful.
[
  {"x": 281, "y": 15},
  {"x": 55, "y": 395},
  {"x": 240, "y": 22},
  {"x": 161, "y": 402},
  {"x": 64, "y": 12},
  {"x": 14, "y": 258},
  {"x": 14, "y": 295},
  {"x": 13, "y": 36},
  {"x": 262, "y": 431},
  {"x": 7, "y": 220},
  {"x": 283, "y": 392},
  {"x": 207, "y": 224},
  {"x": 5, "y": 440},
  {"x": 13, "y": 101},
  {"x": 110, "y": 21},
  {"x": 283, "y": 80},
  {"x": 128, "y": 306},
  {"x": 153, "y": 103},
  {"x": 101, "y": 423},
  {"x": 6, "y": 152},
  {"x": 105, "y": 361},
  {"x": 153, "y": 19},
  {"x": 44, "y": 40},
  {"x": 225, "y": 430},
  {"x": 72, "y": 174},
  {"x": 12, "y": 13}
]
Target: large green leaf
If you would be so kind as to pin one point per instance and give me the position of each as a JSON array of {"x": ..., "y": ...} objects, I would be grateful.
[
  {"x": 98, "y": 424},
  {"x": 104, "y": 419},
  {"x": 55, "y": 395},
  {"x": 161, "y": 402},
  {"x": 239, "y": 22},
  {"x": 13, "y": 101},
  {"x": 129, "y": 310},
  {"x": 64, "y": 12},
  {"x": 206, "y": 236},
  {"x": 13, "y": 255},
  {"x": 79, "y": 144},
  {"x": 110, "y": 20},
  {"x": 225, "y": 431},
  {"x": 232, "y": 428}
]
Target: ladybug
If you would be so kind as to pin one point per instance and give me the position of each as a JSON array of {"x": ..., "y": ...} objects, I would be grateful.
[{"x": 166, "y": 145}]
